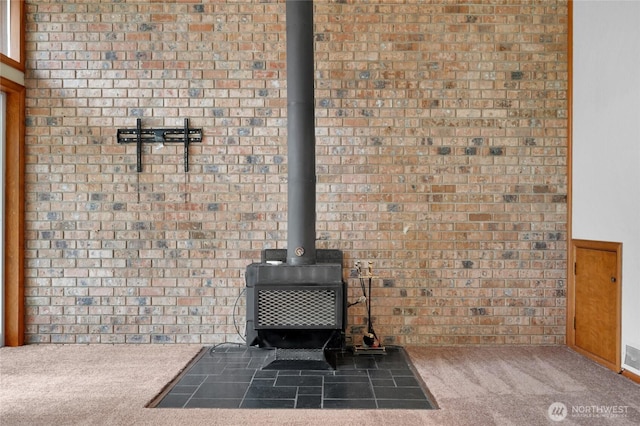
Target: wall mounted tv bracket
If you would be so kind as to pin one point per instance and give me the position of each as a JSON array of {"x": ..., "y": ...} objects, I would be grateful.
[{"x": 139, "y": 136}]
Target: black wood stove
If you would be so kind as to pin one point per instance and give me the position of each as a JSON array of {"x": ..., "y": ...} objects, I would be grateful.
[{"x": 296, "y": 298}]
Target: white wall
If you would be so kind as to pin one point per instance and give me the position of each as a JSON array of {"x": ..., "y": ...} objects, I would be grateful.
[{"x": 606, "y": 140}]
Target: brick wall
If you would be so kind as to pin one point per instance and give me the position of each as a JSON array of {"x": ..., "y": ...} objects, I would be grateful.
[{"x": 441, "y": 157}]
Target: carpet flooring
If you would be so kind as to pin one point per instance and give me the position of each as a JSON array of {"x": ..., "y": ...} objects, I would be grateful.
[
  {"x": 251, "y": 378},
  {"x": 499, "y": 385}
]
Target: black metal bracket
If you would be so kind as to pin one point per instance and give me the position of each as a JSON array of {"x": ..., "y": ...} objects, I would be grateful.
[{"x": 139, "y": 136}]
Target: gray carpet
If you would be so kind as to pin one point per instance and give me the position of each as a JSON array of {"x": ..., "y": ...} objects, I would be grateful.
[{"x": 111, "y": 385}]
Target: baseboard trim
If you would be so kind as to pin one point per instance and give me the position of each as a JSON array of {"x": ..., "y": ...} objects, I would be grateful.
[{"x": 631, "y": 376}]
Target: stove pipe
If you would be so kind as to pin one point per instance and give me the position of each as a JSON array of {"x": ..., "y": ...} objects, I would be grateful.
[
  {"x": 296, "y": 299},
  {"x": 301, "y": 187}
]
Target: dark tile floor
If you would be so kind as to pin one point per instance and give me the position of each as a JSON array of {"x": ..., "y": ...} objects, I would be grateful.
[{"x": 234, "y": 377}]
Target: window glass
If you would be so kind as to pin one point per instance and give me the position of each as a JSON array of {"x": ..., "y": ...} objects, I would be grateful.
[
  {"x": 10, "y": 28},
  {"x": 5, "y": 25}
]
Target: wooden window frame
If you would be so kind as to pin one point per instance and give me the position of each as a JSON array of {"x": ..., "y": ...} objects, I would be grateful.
[
  {"x": 14, "y": 215},
  {"x": 16, "y": 15}
]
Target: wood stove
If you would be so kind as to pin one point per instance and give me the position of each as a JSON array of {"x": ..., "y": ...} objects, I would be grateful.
[
  {"x": 296, "y": 306},
  {"x": 296, "y": 298}
]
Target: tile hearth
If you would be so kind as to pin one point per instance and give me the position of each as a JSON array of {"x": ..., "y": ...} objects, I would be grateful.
[{"x": 234, "y": 377}]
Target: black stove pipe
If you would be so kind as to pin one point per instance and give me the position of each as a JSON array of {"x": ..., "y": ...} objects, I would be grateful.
[{"x": 301, "y": 188}]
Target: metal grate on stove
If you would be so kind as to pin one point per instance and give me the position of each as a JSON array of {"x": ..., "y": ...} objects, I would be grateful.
[{"x": 297, "y": 308}]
